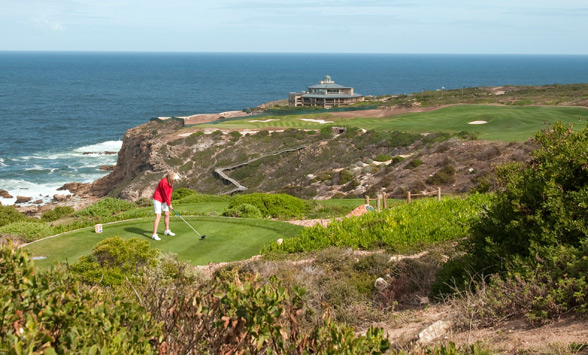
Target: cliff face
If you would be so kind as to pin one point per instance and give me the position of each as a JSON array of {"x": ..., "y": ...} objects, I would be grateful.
[
  {"x": 325, "y": 166},
  {"x": 137, "y": 157}
]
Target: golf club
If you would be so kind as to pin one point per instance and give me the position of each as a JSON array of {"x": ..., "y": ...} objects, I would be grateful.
[{"x": 202, "y": 236}]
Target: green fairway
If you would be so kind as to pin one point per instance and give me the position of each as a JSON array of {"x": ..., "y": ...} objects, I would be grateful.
[
  {"x": 227, "y": 239},
  {"x": 504, "y": 123}
]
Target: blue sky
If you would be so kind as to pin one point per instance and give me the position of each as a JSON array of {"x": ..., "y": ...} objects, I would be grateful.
[{"x": 342, "y": 26}]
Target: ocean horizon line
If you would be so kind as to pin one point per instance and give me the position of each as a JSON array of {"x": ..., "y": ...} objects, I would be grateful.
[{"x": 32, "y": 51}]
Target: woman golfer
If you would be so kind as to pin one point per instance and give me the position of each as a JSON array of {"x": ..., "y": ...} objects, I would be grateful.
[{"x": 162, "y": 202}]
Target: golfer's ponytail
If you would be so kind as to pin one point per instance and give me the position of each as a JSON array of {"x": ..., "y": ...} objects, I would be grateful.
[{"x": 171, "y": 176}]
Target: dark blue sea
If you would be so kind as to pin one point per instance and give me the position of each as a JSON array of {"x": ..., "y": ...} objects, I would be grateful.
[{"x": 56, "y": 106}]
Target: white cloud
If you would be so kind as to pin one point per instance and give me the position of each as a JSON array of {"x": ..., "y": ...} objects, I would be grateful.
[{"x": 44, "y": 24}]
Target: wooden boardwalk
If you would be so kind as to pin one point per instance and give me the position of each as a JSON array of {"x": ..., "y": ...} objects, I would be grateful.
[{"x": 238, "y": 186}]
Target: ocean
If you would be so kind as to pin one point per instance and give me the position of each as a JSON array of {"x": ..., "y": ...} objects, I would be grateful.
[{"x": 61, "y": 111}]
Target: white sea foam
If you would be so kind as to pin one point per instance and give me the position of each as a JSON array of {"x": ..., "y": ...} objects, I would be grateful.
[
  {"x": 95, "y": 150},
  {"x": 40, "y": 175},
  {"x": 109, "y": 146},
  {"x": 37, "y": 167},
  {"x": 19, "y": 187}
]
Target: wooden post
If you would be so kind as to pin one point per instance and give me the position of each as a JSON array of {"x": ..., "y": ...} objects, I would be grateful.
[
  {"x": 385, "y": 200},
  {"x": 438, "y": 194},
  {"x": 378, "y": 203},
  {"x": 367, "y": 199},
  {"x": 408, "y": 197}
]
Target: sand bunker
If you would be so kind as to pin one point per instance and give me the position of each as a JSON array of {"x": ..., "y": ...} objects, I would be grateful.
[
  {"x": 268, "y": 120},
  {"x": 478, "y": 122},
  {"x": 316, "y": 121}
]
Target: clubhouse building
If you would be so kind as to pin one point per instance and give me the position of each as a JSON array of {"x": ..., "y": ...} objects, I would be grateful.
[{"x": 326, "y": 94}]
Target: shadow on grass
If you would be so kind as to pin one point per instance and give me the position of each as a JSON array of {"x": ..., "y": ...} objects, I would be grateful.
[{"x": 139, "y": 231}]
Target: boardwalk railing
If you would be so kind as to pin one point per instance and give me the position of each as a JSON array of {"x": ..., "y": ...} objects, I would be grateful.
[{"x": 410, "y": 196}]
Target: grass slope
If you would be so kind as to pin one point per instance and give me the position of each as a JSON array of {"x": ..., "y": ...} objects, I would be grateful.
[
  {"x": 505, "y": 123},
  {"x": 228, "y": 239}
]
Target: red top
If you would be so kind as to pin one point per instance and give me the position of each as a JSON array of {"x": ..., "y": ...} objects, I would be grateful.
[{"x": 163, "y": 192}]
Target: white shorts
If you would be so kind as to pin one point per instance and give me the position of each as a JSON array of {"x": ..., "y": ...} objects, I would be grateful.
[{"x": 160, "y": 206}]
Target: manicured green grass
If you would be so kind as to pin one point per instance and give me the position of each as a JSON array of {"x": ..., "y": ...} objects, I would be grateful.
[
  {"x": 228, "y": 239},
  {"x": 505, "y": 123}
]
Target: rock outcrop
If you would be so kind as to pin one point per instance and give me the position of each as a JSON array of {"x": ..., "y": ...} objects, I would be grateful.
[{"x": 23, "y": 199}]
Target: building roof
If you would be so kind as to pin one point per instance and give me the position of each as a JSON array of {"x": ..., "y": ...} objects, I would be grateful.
[
  {"x": 328, "y": 86},
  {"x": 331, "y": 96}
]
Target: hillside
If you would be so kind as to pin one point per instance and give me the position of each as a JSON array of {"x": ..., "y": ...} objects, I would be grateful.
[{"x": 326, "y": 165}]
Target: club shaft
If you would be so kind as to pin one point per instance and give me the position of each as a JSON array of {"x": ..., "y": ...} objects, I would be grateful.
[{"x": 189, "y": 225}]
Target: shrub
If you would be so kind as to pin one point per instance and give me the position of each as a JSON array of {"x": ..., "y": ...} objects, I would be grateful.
[
  {"x": 244, "y": 210},
  {"x": 326, "y": 132},
  {"x": 395, "y": 160},
  {"x": 383, "y": 157},
  {"x": 182, "y": 192},
  {"x": 105, "y": 208},
  {"x": 272, "y": 205},
  {"x": 144, "y": 202},
  {"x": 113, "y": 260},
  {"x": 240, "y": 314},
  {"x": 537, "y": 225},
  {"x": 9, "y": 214},
  {"x": 442, "y": 177},
  {"x": 27, "y": 231},
  {"x": 413, "y": 164},
  {"x": 57, "y": 213},
  {"x": 50, "y": 313},
  {"x": 176, "y": 142},
  {"x": 345, "y": 176},
  {"x": 235, "y": 135},
  {"x": 488, "y": 153}
]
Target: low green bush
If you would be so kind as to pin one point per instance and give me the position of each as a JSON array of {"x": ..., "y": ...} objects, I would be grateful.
[
  {"x": 413, "y": 164},
  {"x": 383, "y": 157},
  {"x": 244, "y": 314},
  {"x": 440, "y": 178},
  {"x": 235, "y": 135},
  {"x": 395, "y": 160},
  {"x": 345, "y": 176},
  {"x": 9, "y": 214},
  {"x": 272, "y": 205},
  {"x": 113, "y": 260},
  {"x": 27, "y": 231},
  {"x": 244, "y": 210},
  {"x": 51, "y": 313},
  {"x": 57, "y": 213},
  {"x": 182, "y": 192},
  {"x": 106, "y": 207}
]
